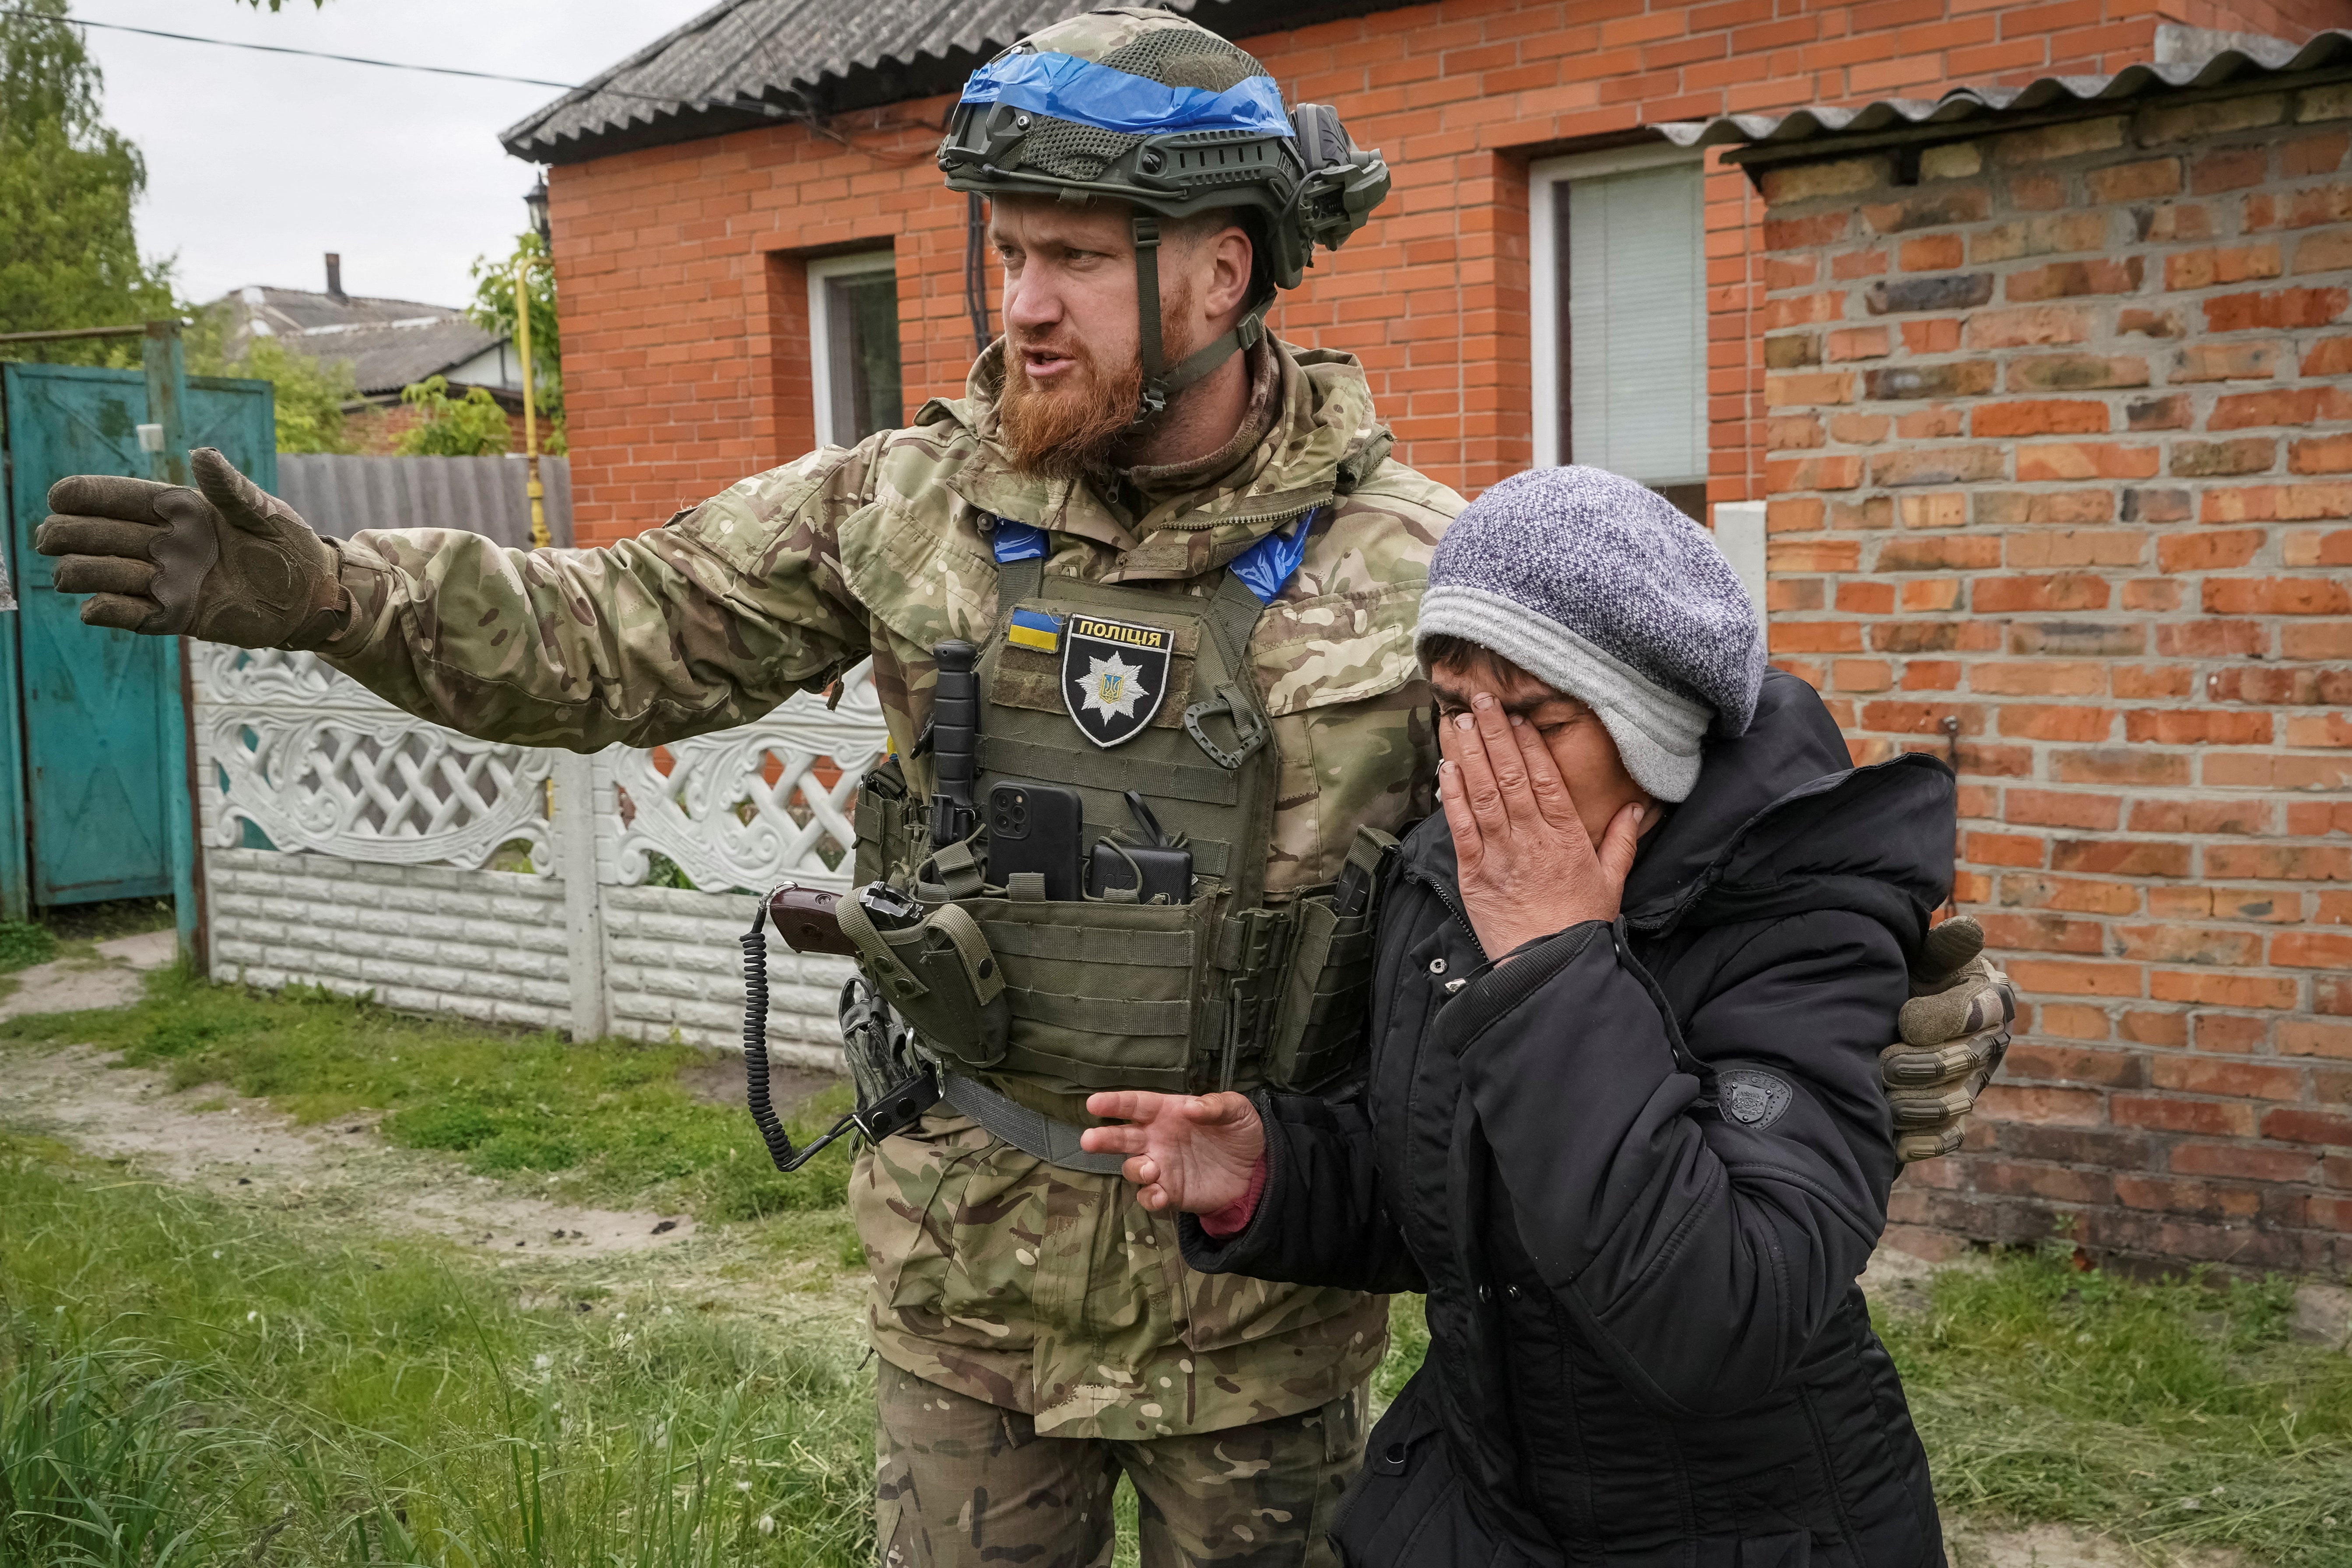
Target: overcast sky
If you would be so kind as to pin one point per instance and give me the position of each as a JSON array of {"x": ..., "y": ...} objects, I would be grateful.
[{"x": 258, "y": 165}]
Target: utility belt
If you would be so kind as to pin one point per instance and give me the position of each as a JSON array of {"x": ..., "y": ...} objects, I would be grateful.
[{"x": 1114, "y": 703}]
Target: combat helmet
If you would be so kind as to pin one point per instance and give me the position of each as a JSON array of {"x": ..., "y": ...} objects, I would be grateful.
[{"x": 1151, "y": 109}]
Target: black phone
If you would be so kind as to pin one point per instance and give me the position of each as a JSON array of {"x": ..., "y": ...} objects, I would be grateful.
[
  {"x": 1165, "y": 871},
  {"x": 1036, "y": 828}
]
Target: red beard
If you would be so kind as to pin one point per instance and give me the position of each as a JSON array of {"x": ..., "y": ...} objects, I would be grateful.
[{"x": 1073, "y": 428}]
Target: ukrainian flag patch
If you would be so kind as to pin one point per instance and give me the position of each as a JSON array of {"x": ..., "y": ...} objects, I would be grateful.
[{"x": 1034, "y": 629}]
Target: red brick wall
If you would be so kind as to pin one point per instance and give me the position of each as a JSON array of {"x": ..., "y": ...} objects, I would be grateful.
[
  {"x": 2061, "y": 448},
  {"x": 683, "y": 298}
]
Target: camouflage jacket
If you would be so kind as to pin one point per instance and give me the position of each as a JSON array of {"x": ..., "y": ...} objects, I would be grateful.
[{"x": 1046, "y": 1290}]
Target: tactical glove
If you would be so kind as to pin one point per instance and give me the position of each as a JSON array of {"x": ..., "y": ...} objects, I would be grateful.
[
  {"x": 1955, "y": 1030},
  {"x": 223, "y": 561}
]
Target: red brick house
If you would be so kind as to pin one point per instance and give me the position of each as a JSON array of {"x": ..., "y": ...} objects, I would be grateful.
[{"x": 2044, "y": 389}]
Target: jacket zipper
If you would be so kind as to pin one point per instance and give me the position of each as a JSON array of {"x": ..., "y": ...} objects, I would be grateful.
[{"x": 1448, "y": 899}]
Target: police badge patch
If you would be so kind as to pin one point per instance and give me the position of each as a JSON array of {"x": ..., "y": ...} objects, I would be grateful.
[
  {"x": 1113, "y": 676},
  {"x": 1754, "y": 1098}
]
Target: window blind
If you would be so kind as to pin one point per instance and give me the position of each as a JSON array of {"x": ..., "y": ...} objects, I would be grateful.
[{"x": 1637, "y": 324}]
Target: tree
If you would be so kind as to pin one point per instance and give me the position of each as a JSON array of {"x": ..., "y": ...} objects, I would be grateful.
[
  {"x": 310, "y": 395},
  {"x": 471, "y": 427},
  {"x": 494, "y": 310},
  {"x": 69, "y": 256}
]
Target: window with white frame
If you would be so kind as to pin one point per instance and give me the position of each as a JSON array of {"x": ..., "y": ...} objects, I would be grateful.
[
  {"x": 853, "y": 346},
  {"x": 1618, "y": 269}
]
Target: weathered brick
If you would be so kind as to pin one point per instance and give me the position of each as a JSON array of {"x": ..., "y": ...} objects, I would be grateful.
[
  {"x": 2277, "y": 596},
  {"x": 2295, "y": 406},
  {"x": 2228, "y": 362},
  {"x": 2276, "y": 309},
  {"x": 2064, "y": 279},
  {"x": 2134, "y": 320},
  {"x": 2118, "y": 856},
  {"x": 2064, "y": 591},
  {"x": 2279, "y": 863},
  {"x": 2169, "y": 1113},
  {"x": 2042, "y": 417},
  {"x": 2049, "y": 236},
  {"x": 1956, "y": 205},
  {"x": 2204, "y": 268},
  {"x": 2191, "y": 727},
  {"x": 1964, "y": 378},
  {"x": 2161, "y": 123},
  {"x": 2216, "y": 551},
  {"x": 1803, "y": 181},
  {"x": 2171, "y": 412},
  {"x": 2022, "y": 327},
  {"x": 2034, "y": 721},
  {"x": 2098, "y": 638},
  {"x": 2156, "y": 505},
  {"x": 1937, "y": 466},
  {"x": 2207, "y": 459},
  {"x": 2068, "y": 139},
  {"x": 2135, "y": 182},
  {"x": 2076, "y": 372},
  {"x": 1951, "y": 291},
  {"x": 2086, "y": 460}
]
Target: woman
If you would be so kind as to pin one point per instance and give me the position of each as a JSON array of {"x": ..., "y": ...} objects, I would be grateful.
[{"x": 1623, "y": 1122}]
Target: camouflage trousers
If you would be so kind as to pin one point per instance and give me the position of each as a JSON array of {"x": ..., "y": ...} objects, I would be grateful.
[{"x": 961, "y": 1483}]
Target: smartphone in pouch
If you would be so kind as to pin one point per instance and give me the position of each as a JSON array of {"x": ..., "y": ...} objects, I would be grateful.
[{"x": 1036, "y": 828}]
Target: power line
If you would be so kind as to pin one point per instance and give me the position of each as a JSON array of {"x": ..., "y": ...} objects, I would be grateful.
[{"x": 744, "y": 104}]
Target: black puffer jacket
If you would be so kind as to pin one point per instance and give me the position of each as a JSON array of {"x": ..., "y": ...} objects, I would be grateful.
[{"x": 1636, "y": 1172}]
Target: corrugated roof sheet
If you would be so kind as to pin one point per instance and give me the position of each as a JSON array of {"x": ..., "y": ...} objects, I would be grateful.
[
  {"x": 339, "y": 496},
  {"x": 750, "y": 62},
  {"x": 388, "y": 343},
  {"x": 2251, "y": 60}
]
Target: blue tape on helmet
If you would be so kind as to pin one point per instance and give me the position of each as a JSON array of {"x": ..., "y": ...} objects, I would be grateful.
[
  {"x": 1269, "y": 563},
  {"x": 1108, "y": 99},
  {"x": 1017, "y": 541}
]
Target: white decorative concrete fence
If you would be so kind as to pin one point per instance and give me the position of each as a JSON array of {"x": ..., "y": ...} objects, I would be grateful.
[{"x": 349, "y": 846}]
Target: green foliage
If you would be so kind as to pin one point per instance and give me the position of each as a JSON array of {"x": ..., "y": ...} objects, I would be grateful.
[
  {"x": 69, "y": 256},
  {"x": 494, "y": 308},
  {"x": 310, "y": 394},
  {"x": 24, "y": 945},
  {"x": 471, "y": 427},
  {"x": 186, "y": 1385},
  {"x": 617, "y": 1119}
]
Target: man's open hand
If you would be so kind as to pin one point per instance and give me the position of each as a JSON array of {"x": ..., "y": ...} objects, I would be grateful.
[
  {"x": 1527, "y": 868},
  {"x": 225, "y": 561},
  {"x": 1191, "y": 1152}
]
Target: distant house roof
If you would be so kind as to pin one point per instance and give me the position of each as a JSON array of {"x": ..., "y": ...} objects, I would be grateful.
[
  {"x": 2246, "y": 64},
  {"x": 387, "y": 342},
  {"x": 751, "y": 62}
]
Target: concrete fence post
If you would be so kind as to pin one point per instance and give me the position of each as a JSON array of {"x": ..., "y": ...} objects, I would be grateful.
[
  {"x": 574, "y": 829},
  {"x": 1740, "y": 535}
]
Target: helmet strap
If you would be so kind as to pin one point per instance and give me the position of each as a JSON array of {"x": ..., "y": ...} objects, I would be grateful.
[{"x": 1161, "y": 385}]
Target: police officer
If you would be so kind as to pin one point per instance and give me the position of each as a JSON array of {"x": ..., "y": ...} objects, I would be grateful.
[{"x": 1191, "y": 568}]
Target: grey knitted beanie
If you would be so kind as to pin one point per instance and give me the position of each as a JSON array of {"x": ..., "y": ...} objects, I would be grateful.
[{"x": 1600, "y": 589}]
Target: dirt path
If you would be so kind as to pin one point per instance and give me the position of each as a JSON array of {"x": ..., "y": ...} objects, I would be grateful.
[
  {"x": 344, "y": 1174},
  {"x": 203, "y": 1138}
]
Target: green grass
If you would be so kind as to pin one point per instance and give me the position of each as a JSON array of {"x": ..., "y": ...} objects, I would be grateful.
[
  {"x": 612, "y": 1117},
  {"x": 24, "y": 945},
  {"x": 384, "y": 1405},
  {"x": 2165, "y": 1413},
  {"x": 183, "y": 1384}
]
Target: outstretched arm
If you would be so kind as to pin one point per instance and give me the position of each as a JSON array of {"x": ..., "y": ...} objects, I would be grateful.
[
  {"x": 1290, "y": 1178},
  {"x": 706, "y": 623}
]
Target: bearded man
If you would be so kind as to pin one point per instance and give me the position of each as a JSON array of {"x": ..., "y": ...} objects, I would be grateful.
[{"x": 1134, "y": 461}]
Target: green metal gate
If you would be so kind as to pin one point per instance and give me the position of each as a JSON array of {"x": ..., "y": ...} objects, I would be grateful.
[{"x": 101, "y": 720}]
